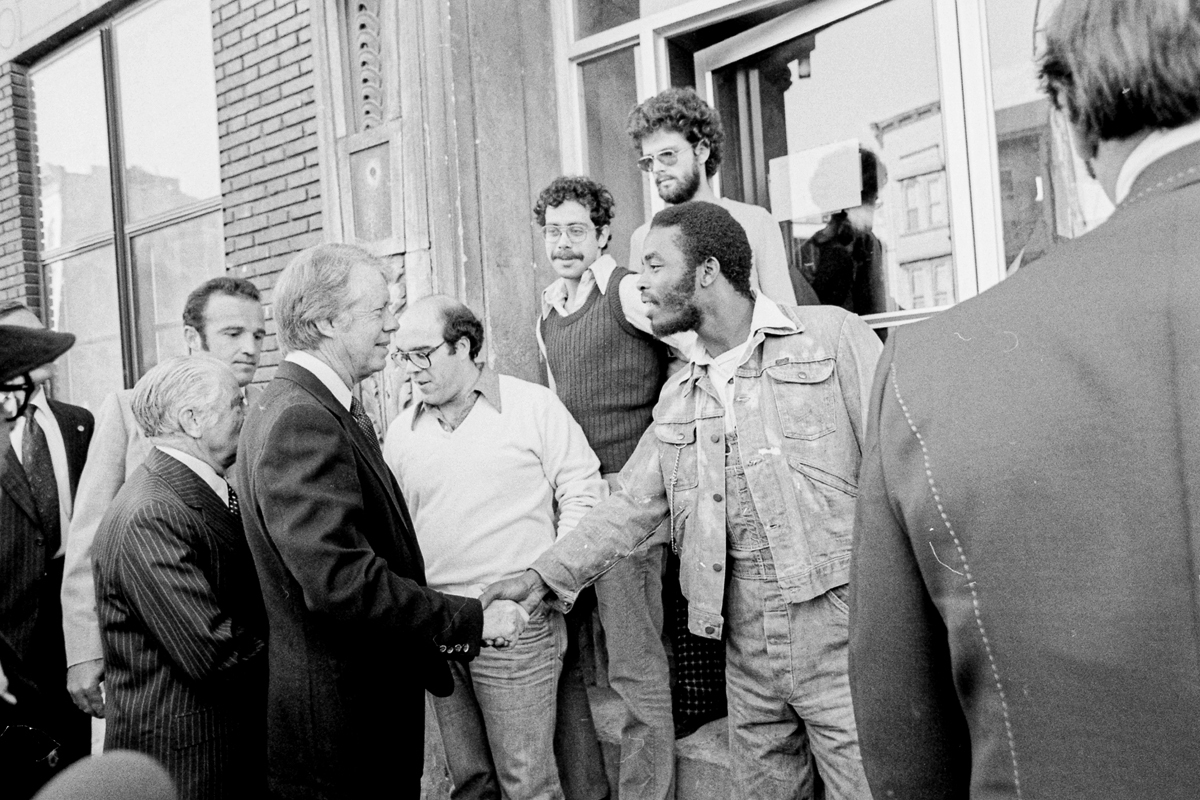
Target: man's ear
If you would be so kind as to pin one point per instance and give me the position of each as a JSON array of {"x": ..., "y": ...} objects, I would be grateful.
[
  {"x": 703, "y": 151},
  {"x": 195, "y": 342},
  {"x": 327, "y": 327},
  {"x": 189, "y": 422},
  {"x": 707, "y": 272},
  {"x": 602, "y": 236}
]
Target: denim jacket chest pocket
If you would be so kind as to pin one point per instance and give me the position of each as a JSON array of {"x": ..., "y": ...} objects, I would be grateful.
[
  {"x": 805, "y": 397},
  {"x": 678, "y": 461}
]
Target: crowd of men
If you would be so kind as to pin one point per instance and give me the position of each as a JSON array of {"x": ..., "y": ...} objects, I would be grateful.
[{"x": 961, "y": 565}]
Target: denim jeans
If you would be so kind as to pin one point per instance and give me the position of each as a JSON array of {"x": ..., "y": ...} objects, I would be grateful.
[
  {"x": 498, "y": 725},
  {"x": 787, "y": 671},
  {"x": 629, "y": 598}
]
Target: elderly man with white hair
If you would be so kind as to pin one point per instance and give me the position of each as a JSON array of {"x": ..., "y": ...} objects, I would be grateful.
[{"x": 181, "y": 616}]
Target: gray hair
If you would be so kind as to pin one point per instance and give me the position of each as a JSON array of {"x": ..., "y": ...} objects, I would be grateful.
[
  {"x": 313, "y": 288},
  {"x": 175, "y": 384}
]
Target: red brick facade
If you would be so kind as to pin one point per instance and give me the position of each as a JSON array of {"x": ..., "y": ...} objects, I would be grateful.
[{"x": 20, "y": 276}]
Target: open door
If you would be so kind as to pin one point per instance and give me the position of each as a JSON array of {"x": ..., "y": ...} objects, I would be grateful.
[{"x": 835, "y": 123}]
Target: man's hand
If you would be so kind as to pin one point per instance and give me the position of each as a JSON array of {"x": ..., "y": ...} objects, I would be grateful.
[
  {"x": 528, "y": 589},
  {"x": 5, "y": 694},
  {"x": 83, "y": 683},
  {"x": 503, "y": 621}
]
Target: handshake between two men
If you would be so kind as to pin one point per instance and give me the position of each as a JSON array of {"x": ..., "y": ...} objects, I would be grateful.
[{"x": 507, "y": 607}]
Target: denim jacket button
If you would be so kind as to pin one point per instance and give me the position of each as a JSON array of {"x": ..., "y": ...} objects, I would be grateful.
[
  {"x": 717, "y": 567},
  {"x": 717, "y": 497},
  {"x": 710, "y": 629},
  {"x": 715, "y": 438}
]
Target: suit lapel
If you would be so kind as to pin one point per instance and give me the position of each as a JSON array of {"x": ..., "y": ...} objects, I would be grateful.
[
  {"x": 16, "y": 485},
  {"x": 73, "y": 424},
  {"x": 195, "y": 493},
  {"x": 371, "y": 454}
]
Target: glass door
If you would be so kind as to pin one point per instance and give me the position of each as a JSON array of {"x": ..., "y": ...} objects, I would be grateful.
[{"x": 835, "y": 122}]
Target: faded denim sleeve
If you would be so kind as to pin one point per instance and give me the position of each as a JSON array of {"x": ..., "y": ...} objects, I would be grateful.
[
  {"x": 612, "y": 530},
  {"x": 857, "y": 356}
]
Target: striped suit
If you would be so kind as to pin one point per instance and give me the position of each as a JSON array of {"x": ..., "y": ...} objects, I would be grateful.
[
  {"x": 183, "y": 630},
  {"x": 31, "y": 641}
]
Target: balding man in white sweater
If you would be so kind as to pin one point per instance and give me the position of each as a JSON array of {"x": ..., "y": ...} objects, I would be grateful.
[{"x": 494, "y": 470}]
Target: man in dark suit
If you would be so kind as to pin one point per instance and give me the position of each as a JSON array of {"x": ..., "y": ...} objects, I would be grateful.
[
  {"x": 1024, "y": 605},
  {"x": 44, "y": 456},
  {"x": 181, "y": 616},
  {"x": 355, "y": 635}
]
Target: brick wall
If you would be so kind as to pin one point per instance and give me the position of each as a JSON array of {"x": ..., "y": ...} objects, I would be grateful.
[
  {"x": 19, "y": 273},
  {"x": 266, "y": 116}
]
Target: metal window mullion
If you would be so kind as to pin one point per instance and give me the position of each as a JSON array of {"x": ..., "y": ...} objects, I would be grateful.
[{"x": 126, "y": 280}]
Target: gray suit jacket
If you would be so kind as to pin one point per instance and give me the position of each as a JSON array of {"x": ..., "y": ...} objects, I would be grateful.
[
  {"x": 1025, "y": 608},
  {"x": 184, "y": 632}
]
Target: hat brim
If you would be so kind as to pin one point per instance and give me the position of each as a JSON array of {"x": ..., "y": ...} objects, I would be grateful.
[{"x": 25, "y": 349}]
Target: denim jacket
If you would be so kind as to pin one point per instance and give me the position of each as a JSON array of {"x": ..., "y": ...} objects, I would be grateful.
[{"x": 800, "y": 409}]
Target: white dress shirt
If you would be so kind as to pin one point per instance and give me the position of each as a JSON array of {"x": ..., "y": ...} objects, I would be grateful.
[
  {"x": 324, "y": 374},
  {"x": 205, "y": 471},
  {"x": 1151, "y": 149}
]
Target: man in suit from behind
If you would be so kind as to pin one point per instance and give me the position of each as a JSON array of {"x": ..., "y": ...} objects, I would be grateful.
[
  {"x": 44, "y": 456},
  {"x": 222, "y": 317},
  {"x": 1024, "y": 599},
  {"x": 181, "y": 615},
  {"x": 355, "y": 634}
]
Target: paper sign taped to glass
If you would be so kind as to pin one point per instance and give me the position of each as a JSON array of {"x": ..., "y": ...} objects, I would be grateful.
[{"x": 822, "y": 180}]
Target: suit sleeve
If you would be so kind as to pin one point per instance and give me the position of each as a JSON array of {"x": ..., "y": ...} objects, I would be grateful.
[
  {"x": 163, "y": 575},
  {"x": 102, "y": 477},
  {"x": 911, "y": 729},
  {"x": 306, "y": 487}
]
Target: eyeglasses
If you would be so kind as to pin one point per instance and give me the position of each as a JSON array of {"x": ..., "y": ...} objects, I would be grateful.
[
  {"x": 14, "y": 397},
  {"x": 668, "y": 157},
  {"x": 576, "y": 232},
  {"x": 418, "y": 358}
]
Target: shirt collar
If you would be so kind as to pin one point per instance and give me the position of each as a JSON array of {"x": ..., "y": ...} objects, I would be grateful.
[
  {"x": 555, "y": 295},
  {"x": 203, "y": 470},
  {"x": 1151, "y": 149},
  {"x": 487, "y": 386},
  {"x": 767, "y": 318},
  {"x": 324, "y": 373}
]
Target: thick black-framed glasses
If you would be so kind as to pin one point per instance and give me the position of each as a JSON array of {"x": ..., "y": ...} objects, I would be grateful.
[
  {"x": 418, "y": 358},
  {"x": 15, "y": 395}
]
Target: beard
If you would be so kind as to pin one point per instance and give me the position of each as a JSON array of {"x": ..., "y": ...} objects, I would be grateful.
[
  {"x": 677, "y": 302},
  {"x": 685, "y": 187}
]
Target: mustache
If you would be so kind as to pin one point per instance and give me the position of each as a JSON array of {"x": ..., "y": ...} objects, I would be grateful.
[{"x": 565, "y": 253}]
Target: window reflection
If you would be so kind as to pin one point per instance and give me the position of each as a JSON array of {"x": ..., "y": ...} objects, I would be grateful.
[
  {"x": 847, "y": 152},
  {"x": 609, "y": 92},
  {"x": 1046, "y": 194},
  {"x": 72, "y": 147},
  {"x": 593, "y": 16},
  {"x": 168, "y": 126},
  {"x": 82, "y": 298},
  {"x": 169, "y": 263}
]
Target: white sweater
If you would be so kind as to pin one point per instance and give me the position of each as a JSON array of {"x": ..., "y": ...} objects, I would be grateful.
[{"x": 485, "y": 497}]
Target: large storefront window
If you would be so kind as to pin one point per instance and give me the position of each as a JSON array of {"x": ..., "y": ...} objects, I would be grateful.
[
  {"x": 1046, "y": 194},
  {"x": 128, "y": 188}
]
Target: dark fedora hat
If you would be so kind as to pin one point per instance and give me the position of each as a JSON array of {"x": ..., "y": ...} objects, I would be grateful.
[{"x": 25, "y": 349}]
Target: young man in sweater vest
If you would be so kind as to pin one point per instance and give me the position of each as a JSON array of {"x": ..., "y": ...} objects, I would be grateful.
[
  {"x": 608, "y": 368},
  {"x": 494, "y": 470}
]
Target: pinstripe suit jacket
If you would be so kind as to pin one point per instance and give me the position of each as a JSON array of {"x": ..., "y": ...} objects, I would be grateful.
[
  {"x": 23, "y": 556},
  {"x": 183, "y": 631}
]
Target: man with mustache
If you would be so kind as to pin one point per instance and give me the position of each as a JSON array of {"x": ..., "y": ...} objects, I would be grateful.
[
  {"x": 607, "y": 368},
  {"x": 681, "y": 141},
  {"x": 753, "y": 457},
  {"x": 222, "y": 317}
]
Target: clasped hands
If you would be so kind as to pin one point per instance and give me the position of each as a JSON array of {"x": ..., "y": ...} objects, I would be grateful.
[{"x": 507, "y": 605}]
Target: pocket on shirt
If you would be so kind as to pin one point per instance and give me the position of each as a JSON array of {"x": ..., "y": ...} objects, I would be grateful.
[
  {"x": 804, "y": 397},
  {"x": 677, "y": 454}
]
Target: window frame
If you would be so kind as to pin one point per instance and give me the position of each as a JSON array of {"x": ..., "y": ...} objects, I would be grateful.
[
  {"x": 964, "y": 67},
  {"x": 122, "y": 233}
]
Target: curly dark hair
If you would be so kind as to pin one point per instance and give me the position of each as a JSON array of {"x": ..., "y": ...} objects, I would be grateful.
[
  {"x": 707, "y": 229},
  {"x": 585, "y": 191},
  {"x": 1121, "y": 67},
  {"x": 459, "y": 321},
  {"x": 681, "y": 110}
]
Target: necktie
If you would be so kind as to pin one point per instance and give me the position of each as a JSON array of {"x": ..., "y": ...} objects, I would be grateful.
[
  {"x": 39, "y": 469},
  {"x": 234, "y": 508},
  {"x": 363, "y": 421}
]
